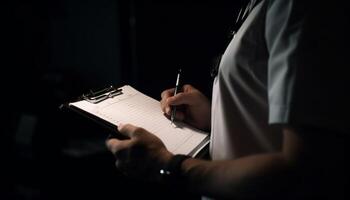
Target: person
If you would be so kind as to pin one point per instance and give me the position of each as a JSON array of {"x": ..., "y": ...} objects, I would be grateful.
[{"x": 278, "y": 113}]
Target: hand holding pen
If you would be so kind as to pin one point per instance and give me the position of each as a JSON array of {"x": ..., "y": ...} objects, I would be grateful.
[{"x": 192, "y": 106}]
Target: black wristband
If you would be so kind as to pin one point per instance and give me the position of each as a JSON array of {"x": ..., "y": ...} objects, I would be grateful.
[{"x": 172, "y": 172}]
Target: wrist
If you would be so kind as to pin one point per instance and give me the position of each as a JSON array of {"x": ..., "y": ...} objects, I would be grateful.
[
  {"x": 172, "y": 172},
  {"x": 165, "y": 158}
]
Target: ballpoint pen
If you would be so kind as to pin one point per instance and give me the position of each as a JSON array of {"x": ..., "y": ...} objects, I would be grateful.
[{"x": 173, "y": 113}]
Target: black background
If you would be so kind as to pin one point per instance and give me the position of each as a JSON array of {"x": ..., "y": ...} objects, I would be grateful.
[{"x": 55, "y": 50}]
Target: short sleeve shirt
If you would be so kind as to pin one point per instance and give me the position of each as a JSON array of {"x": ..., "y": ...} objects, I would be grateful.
[{"x": 273, "y": 72}]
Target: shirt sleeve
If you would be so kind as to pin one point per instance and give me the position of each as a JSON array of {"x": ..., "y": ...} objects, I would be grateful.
[
  {"x": 283, "y": 30},
  {"x": 307, "y": 82}
]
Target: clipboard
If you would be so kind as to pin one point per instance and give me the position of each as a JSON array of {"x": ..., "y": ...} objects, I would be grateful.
[
  {"x": 95, "y": 97},
  {"x": 112, "y": 105}
]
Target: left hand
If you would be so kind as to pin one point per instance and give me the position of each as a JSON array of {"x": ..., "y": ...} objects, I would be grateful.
[{"x": 143, "y": 154}]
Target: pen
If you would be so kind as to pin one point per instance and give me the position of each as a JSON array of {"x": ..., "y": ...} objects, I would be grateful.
[{"x": 173, "y": 113}]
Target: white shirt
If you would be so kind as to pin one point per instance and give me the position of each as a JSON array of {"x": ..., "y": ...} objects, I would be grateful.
[
  {"x": 239, "y": 103},
  {"x": 278, "y": 69}
]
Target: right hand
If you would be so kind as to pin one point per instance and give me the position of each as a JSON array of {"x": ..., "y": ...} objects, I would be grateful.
[{"x": 193, "y": 106}]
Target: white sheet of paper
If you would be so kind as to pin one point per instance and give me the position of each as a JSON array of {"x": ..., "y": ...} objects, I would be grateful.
[{"x": 135, "y": 108}]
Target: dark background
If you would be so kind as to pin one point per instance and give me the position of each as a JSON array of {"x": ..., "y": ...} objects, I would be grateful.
[{"x": 54, "y": 51}]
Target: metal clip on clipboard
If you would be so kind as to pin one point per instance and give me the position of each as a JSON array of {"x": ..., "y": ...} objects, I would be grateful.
[{"x": 101, "y": 95}]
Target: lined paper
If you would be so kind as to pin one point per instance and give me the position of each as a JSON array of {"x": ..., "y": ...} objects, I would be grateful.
[{"x": 136, "y": 108}]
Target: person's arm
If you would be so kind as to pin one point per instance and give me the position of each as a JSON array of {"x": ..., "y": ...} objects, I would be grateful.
[
  {"x": 258, "y": 175},
  {"x": 261, "y": 175}
]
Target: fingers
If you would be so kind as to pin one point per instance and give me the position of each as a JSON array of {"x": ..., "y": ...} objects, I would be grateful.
[
  {"x": 167, "y": 93},
  {"x": 120, "y": 149},
  {"x": 170, "y": 92},
  {"x": 129, "y": 130},
  {"x": 181, "y": 98},
  {"x": 115, "y": 145},
  {"x": 163, "y": 103},
  {"x": 187, "y": 88},
  {"x": 168, "y": 98}
]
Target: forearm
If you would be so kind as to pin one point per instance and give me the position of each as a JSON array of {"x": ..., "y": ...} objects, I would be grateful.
[{"x": 251, "y": 176}]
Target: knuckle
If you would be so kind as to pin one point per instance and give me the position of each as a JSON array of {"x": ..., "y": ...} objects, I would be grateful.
[
  {"x": 179, "y": 97},
  {"x": 169, "y": 101},
  {"x": 162, "y": 94},
  {"x": 124, "y": 127},
  {"x": 187, "y": 86},
  {"x": 137, "y": 131},
  {"x": 166, "y": 93},
  {"x": 111, "y": 146}
]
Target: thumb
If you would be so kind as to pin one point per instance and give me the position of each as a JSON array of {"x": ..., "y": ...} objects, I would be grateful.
[{"x": 127, "y": 130}]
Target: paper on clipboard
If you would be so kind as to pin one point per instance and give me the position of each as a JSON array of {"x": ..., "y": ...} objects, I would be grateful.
[{"x": 141, "y": 110}]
